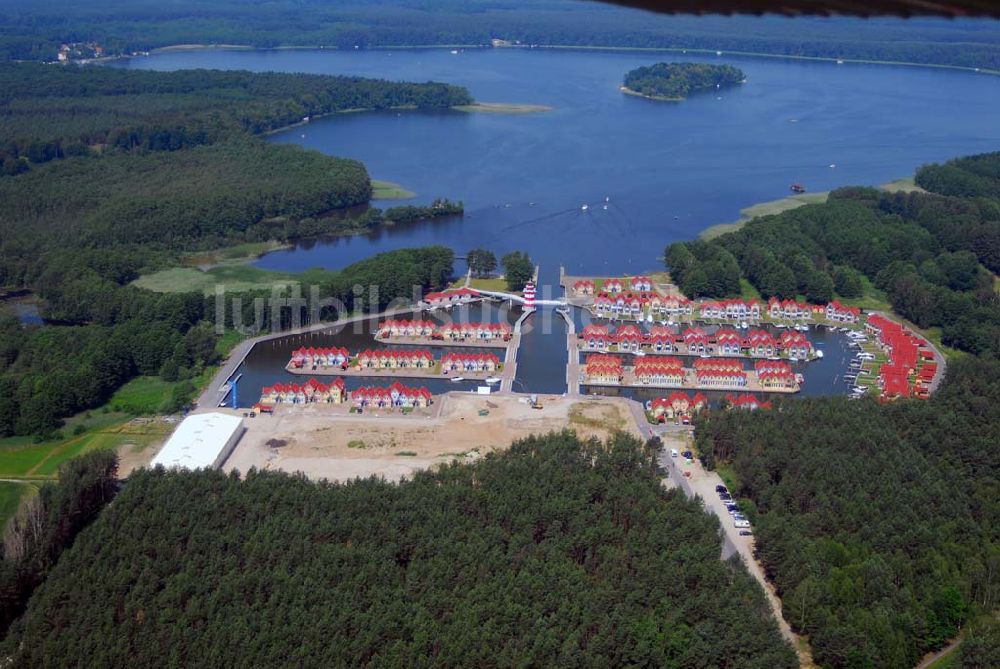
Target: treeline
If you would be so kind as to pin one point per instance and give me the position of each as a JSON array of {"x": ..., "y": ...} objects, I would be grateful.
[
  {"x": 555, "y": 553},
  {"x": 36, "y": 32},
  {"x": 675, "y": 81},
  {"x": 48, "y": 523},
  {"x": 879, "y": 524},
  {"x": 57, "y": 112},
  {"x": 112, "y": 332},
  {"x": 933, "y": 256}
]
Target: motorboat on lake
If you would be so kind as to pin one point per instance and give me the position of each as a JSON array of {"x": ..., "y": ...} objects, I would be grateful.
[
  {"x": 492, "y": 380},
  {"x": 456, "y": 379}
]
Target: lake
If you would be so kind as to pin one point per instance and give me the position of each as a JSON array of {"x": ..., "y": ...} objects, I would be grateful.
[
  {"x": 664, "y": 171},
  {"x": 670, "y": 170}
]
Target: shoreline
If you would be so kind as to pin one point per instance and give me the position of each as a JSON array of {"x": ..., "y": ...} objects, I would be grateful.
[
  {"x": 656, "y": 98},
  {"x": 780, "y": 205},
  {"x": 552, "y": 47}
]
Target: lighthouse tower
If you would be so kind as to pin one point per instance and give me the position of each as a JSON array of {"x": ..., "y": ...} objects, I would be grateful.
[{"x": 529, "y": 295}]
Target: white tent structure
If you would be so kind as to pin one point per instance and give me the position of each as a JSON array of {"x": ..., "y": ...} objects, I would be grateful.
[{"x": 201, "y": 441}]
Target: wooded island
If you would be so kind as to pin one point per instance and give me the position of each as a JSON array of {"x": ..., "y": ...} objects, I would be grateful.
[{"x": 675, "y": 81}]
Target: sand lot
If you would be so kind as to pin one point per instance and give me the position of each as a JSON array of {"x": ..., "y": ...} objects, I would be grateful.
[{"x": 323, "y": 443}]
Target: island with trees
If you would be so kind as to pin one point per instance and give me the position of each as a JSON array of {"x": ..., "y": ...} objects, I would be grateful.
[{"x": 672, "y": 82}]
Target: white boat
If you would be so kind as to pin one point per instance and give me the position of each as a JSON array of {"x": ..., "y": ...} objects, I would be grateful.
[
  {"x": 744, "y": 325},
  {"x": 584, "y": 207},
  {"x": 640, "y": 354},
  {"x": 456, "y": 379},
  {"x": 492, "y": 380},
  {"x": 454, "y": 52},
  {"x": 819, "y": 353},
  {"x": 649, "y": 318}
]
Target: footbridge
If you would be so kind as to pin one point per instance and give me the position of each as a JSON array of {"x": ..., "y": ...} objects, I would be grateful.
[{"x": 518, "y": 298}]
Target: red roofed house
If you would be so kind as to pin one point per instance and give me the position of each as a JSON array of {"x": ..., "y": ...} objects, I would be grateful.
[
  {"x": 628, "y": 338},
  {"x": 727, "y": 342},
  {"x": 601, "y": 368},
  {"x": 595, "y": 337},
  {"x": 641, "y": 283},
  {"x": 761, "y": 344},
  {"x": 584, "y": 287},
  {"x": 450, "y": 297},
  {"x": 662, "y": 339},
  {"x": 775, "y": 374},
  {"x": 695, "y": 340},
  {"x": 837, "y": 312},
  {"x": 613, "y": 286},
  {"x": 795, "y": 345}
]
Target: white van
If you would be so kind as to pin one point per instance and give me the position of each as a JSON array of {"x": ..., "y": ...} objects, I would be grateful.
[
  {"x": 673, "y": 453},
  {"x": 741, "y": 523}
]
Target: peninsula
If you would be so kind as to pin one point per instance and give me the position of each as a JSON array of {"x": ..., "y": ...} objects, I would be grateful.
[{"x": 673, "y": 82}]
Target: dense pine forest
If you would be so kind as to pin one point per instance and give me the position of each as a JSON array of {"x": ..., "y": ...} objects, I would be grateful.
[
  {"x": 36, "y": 30},
  {"x": 555, "y": 553},
  {"x": 932, "y": 254},
  {"x": 675, "y": 81},
  {"x": 879, "y": 524}
]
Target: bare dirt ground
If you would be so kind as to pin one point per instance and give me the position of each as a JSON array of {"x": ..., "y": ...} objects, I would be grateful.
[{"x": 338, "y": 446}]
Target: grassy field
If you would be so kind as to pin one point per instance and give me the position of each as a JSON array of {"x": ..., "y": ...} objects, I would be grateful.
[
  {"x": 501, "y": 108},
  {"x": 241, "y": 253},
  {"x": 238, "y": 278},
  {"x": 146, "y": 395},
  {"x": 387, "y": 190},
  {"x": 904, "y": 185},
  {"x": 11, "y": 495},
  {"x": 494, "y": 283},
  {"x": 21, "y": 458},
  {"x": 764, "y": 209},
  {"x": 747, "y": 290}
]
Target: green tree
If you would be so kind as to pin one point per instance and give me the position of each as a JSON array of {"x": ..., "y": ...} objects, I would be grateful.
[
  {"x": 518, "y": 269},
  {"x": 482, "y": 262}
]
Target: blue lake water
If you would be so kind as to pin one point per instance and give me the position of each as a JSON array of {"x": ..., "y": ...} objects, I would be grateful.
[
  {"x": 664, "y": 171},
  {"x": 670, "y": 170}
]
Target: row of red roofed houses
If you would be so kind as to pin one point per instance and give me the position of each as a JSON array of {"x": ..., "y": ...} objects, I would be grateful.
[
  {"x": 776, "y": 374},
  {"x": 661, "y": 370},
  {"x": 469, "y": 362},
  {"x": 392, "y": 359},
  {"x": 406, "y": 328},
  {"x": 746, "y": 401},
  {"x": 303, "y": 393},
  {"x": 451, "y": 331},
  {"x": 396, "y": 395},
  {"x": 449, "y": 298},
  {"x": 311, "y": 357},
  {"x": 677, "y": 405},
  {"x": 910, "y": 355},
  {"x": 477, "y": 331},
  {"x": 833, "y": 312},
  {"x": 600, "y": 368},
  {"x": 635, "y": 304},
  {"x": 613, "y": 286},
  {"x": 695, "y": 341},
  {"x": 721, "y": 372}
]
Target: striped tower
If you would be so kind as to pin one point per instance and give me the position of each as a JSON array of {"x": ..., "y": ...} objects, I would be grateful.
[{"x": 529, "y": 295}]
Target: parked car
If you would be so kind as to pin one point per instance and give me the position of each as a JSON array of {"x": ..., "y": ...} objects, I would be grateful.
[
  {"x": 741, "y": 523},
  {"x": 687, "y": 454},
  {"x": 673, "y": 452},
  {"x": 721, "y": 488},
  {"x": 746, "y": 533},
  {"x": 725, "y": 497}
]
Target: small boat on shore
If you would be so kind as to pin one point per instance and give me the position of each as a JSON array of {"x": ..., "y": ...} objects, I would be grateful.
[
  {"x": 492, "y": 380},
  {"x": 456, "y": 379}
]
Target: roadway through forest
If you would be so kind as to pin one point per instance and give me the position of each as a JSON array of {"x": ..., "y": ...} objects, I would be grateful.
[{"x": 695, "y": 481}]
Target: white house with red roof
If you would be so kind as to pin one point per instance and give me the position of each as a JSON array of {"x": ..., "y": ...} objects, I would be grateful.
[
  {"x": 449, "y": 298},
  {"x": 641, "y": 283},
  {"x": 584, "y": 287},
  {"x": 838, "y": 313}
]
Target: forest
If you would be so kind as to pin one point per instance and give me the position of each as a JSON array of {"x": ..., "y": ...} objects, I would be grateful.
[
  {"x": 56, "y": 112},
  {"x": 555, "y": 553},
  {"x": 109, "y": 173},
  {"x": 878, "y": 524},
  {"x": 675, "y": 81},
  {"x": 933, "y": 254},
  {"x": 32, "y": 30}
]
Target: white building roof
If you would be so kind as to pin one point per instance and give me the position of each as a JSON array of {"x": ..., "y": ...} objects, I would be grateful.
[{"x": 198, "y": 441}]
